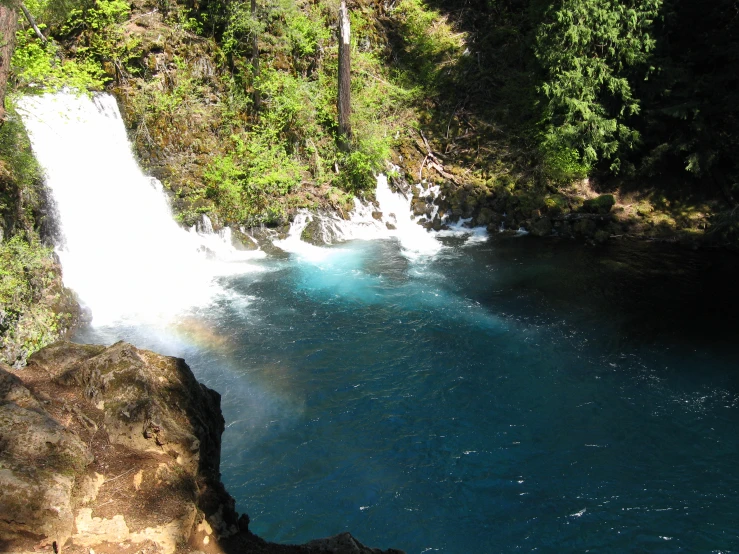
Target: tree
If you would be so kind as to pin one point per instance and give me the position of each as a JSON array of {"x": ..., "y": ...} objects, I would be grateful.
[
  {"x": 344, "y": 96},
  {"x": 8, "y": 24},
  {"x": 255, "y": 58},
  {"x": 691, "y": 104},
  {"x": 592, "y": 51}
]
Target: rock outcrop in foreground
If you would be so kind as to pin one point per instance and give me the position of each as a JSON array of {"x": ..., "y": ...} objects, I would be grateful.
[{"x": 117, "y": 450}]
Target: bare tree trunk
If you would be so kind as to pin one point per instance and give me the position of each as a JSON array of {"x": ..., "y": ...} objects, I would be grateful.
[
  {"x": 8, "y": 24},
  {"x": 32, "y": 23},
  {"x": 344, "y": 101},
  {"x": 255, "y": 61}
]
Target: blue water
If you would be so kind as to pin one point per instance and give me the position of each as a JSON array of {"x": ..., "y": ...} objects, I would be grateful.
[{"x": 514, "y": 396}]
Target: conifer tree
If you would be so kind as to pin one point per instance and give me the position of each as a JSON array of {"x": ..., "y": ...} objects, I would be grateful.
[{"x": 592, "y": 51}]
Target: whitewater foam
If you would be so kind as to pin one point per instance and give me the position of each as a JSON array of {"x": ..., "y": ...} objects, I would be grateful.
[{"x": 390, "y": 217}]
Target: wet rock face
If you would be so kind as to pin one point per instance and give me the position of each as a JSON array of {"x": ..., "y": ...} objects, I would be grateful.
[{"x": 117, "y": 449}]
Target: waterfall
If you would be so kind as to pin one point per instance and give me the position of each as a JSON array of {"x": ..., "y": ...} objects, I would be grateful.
[
  {"x": 390, "y": 217},
  {"x": 121, "y": 250}
]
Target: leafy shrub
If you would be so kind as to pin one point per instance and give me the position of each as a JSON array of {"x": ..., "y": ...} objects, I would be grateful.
[
  {"x": 562, "y": 165},
  {"x": 99, "y": 40},
  {"x": 39, "y": 65},
  {"x": 26, "y": 273},
  {"x": 246, "y": 182},
  {"x": 430, "y": 43}
]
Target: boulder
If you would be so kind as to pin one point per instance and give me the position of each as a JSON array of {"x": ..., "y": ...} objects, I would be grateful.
[
  {"x": 91, "y": 434},
  {"x": 419, "y": 207},
  {"x": 41, "y": 462},
  {"x": 541, "y": 227},
  {"x": 599, "y": 205},
  {"x": 585, "y": 227},
  {"x": 556, "y": 204}
]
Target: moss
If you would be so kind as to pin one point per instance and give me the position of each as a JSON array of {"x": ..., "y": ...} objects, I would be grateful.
[
  {"x": 556, "y": 204},
  {"x": 600, "y": 205}
]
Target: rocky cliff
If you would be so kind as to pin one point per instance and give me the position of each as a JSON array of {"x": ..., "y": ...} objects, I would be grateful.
[{"x": 117, "y": 449}]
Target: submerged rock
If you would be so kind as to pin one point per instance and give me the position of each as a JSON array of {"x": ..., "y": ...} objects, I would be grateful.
[{"x": 118, "y": 449}]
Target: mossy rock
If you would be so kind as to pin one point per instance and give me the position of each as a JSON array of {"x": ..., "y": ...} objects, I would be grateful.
[
  {"x": 599, "y": 205},
  {"x": 556, "y": 204},
  {"x": 312, "y": 233},
  {"x": 585, "y": 228},
  {"x": 505, "y": 181},
  {"x": 529, "y": 202},
  {"x": 541, "y": 227}
]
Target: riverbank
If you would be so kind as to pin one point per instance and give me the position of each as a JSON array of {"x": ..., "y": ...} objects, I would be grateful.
[{"x": 584, "y": 209}]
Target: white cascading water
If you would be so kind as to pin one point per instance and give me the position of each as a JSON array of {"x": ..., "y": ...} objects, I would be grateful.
[
  {"x": 396, "y": 220},
  {"x": 122, "y": 251}
]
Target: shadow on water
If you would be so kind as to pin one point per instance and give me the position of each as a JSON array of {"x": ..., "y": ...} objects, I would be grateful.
[{"x": 645, "y": 292}]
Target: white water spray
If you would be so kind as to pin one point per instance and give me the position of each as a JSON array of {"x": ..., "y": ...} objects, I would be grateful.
[
  {"x": 122, "y": 252},
  {"x": 391, "y": 217}
]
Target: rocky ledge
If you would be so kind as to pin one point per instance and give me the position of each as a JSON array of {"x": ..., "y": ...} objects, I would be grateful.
[{"x": 117, "y": 449}]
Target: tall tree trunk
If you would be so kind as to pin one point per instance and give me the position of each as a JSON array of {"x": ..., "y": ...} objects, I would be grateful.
[
  {"x": 344, "y": 101},
  {"x": 8, "y": 24},
  {"x": 255, "y": 61}
]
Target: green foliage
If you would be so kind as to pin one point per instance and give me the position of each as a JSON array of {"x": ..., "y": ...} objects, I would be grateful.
[
  {"x": 99, "y": 40},
  {"x": 305, "y": 35},
  {"x": 297, "y": 85},
  {"x": 19, "y": 170},
  {"x": 242, "y": 25},
  {"x": 99, "y": 16},
  {"x": 291, "y": 104},
  {"x": 245, "y": 182},
  {"x": 591, "y": 52},
  {"x": 39, "y": 65},
  {"x": 431, "y": 46},
  {"x": 26, "y": 272},
  {"x": 563, "y": 165},
  {"x": 52, "y": 14},
  {"x": 358, "y": 167},
  {"x": 23, "y": 272},
  {"x": 691, "y": 104}
]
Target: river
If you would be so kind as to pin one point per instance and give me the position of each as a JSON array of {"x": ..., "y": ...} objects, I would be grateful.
[{"x": 448, "y": 394}]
